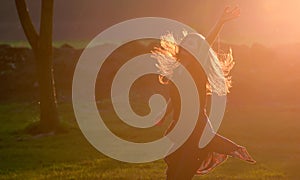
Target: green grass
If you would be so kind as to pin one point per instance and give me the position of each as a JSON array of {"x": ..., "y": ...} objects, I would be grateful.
[{"x": 270, "y": 134}]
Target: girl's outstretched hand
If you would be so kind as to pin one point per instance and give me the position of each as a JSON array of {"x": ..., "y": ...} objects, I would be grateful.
[{"x": 230, "y": 14}]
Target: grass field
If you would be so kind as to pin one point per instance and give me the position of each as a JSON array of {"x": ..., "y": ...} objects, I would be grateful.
[{"x": 270, "y": 134}]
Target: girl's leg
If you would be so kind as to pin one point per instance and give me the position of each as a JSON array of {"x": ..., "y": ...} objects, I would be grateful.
[
  {"x": 222, "y": 145},
  {"x": 185, "y": 169},
  {"x": 186, "y": 160}
]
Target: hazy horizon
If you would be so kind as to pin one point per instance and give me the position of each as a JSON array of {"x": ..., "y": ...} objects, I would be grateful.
[{"x": 270, "y": 23}]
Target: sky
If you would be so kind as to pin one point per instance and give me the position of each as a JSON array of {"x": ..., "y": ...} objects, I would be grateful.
[{"x": 268, "y": 22}]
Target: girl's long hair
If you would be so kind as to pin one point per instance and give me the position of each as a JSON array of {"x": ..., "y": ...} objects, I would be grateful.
[{"x": 218, "y": 66}]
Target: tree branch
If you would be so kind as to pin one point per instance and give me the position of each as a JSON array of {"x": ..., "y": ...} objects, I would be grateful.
[{"x": 26, "y": 23}]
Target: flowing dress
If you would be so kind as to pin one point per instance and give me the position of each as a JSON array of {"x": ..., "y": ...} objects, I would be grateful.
[{"x": 189, "y": 160}]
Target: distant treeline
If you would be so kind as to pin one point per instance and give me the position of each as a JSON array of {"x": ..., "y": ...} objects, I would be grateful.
[{"x": 266, "y": 76}]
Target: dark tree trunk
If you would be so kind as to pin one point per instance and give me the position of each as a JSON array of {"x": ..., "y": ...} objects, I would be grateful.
[
  {"x": 49, "y": 116},
  {"x": 42, "y": 47}
]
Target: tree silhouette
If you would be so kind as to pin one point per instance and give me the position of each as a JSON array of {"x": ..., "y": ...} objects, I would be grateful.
[{"x": 41, "y": 44}]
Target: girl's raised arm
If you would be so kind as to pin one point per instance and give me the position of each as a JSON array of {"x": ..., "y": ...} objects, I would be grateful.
[{"x": 228, "y": 15}]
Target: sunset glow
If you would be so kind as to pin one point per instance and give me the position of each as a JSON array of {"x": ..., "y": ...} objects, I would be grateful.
[{"x": 143, "y": 89}]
